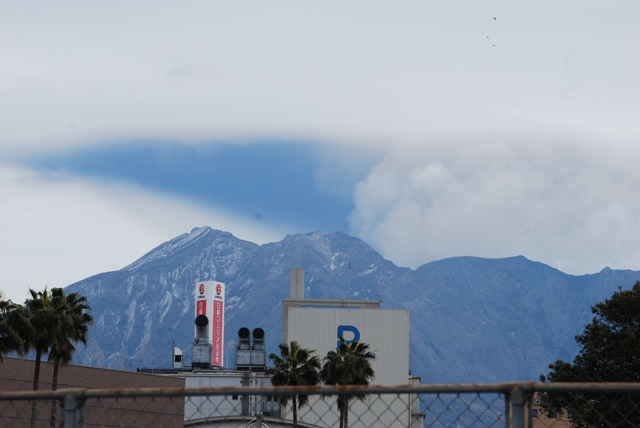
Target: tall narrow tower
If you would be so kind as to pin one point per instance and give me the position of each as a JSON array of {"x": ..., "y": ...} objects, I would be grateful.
[
  {"x": 209, "y": 323},
  {"x": 296, "y": 283}
]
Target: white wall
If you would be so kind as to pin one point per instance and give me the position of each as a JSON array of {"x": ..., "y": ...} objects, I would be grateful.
[{"x": 386, "y": 331}]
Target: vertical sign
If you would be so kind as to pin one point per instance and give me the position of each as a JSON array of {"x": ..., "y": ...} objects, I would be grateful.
[
  {"x": 217, "y": 327},
  {"x": 210, "y": 302}
]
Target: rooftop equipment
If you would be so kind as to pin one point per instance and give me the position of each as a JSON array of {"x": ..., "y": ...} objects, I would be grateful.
[
  {"x": 251, "y": 357},
  {"x": 201, "y": 347},
  {"x": 177, "y": 357},
  {"x": 258, "y": 351}
]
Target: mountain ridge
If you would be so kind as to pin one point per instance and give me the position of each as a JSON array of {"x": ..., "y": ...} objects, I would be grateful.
[{"x": 472, "y": 319}]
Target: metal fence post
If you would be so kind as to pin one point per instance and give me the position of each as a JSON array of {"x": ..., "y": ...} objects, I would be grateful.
[
  {"x": 517, "y": 407},
  {"x": 70, "y": 411},
  {"x": 80, "y": 412},
  {"x": 507, "y": 409}
]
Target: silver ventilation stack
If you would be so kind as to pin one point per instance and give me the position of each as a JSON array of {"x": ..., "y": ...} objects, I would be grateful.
[
  {"x": 201, "y": 347},
  {"x": 243, "y": 350},
  {"x": 258, "y": 350},
  {"x": 251, "y": 357}
]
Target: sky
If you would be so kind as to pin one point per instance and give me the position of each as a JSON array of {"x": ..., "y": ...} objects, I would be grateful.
[{"x": 428, "y": 129}]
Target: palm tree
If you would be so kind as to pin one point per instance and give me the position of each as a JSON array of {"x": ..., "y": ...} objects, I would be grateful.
[
  {"x": 294, "y": 367},
  {"x": 350, "y": 364},
  {"x": 71, "y": 311},
  {"x": 13, "y": 324},
  {"x": 43, "y": 326}
]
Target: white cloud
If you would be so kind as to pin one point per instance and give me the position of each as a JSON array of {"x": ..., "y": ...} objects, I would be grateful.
[
  {"x": 82, "y": 73},
  {"x": 573, "y": 206},
  {"x": 58, "y": 231}
]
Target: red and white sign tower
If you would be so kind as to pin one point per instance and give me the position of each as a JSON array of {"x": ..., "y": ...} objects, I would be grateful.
[{"x": 210, "y": 302}]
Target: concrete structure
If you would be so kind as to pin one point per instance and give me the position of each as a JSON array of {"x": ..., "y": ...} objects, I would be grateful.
[
  {"x": 296, "y": 283},
  {"x": 317, "y": 324}
]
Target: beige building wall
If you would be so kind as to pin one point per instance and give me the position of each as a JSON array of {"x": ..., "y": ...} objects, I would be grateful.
[
  {"x": 16, "y": 374},
  {"x": 315, "y": 325}
]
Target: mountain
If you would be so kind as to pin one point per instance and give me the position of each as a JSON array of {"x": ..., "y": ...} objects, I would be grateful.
[{"x": 472, "y": 319}]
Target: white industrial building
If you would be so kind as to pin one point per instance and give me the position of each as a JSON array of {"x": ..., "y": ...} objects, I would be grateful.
[
  {"x": 317, "y": 324},
  {"x": 314, "y": 324}
]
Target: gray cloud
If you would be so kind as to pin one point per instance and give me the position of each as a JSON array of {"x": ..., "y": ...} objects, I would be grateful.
[
  {"x": 574, "y": 206},
  {"x": 83, "y": 73}
]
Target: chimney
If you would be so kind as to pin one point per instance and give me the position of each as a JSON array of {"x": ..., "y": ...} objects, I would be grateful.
[
  {"x": 201, "y": 348},
  {"x": 258, "y": 351},
  {"x": 297, "y": 283},
  {"x": 258, "y": 338},
  {"x": 243, "y": 349}
]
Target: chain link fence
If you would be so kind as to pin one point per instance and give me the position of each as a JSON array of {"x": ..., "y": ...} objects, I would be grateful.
[{"x": 509, "y": 405}]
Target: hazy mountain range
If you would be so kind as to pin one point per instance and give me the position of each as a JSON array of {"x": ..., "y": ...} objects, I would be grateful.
[{"x": 472, "y": 319}]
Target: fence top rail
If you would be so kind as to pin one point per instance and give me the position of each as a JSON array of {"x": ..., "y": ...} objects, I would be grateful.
[
  {"x": 591, "y": 387},
  {"x": 262, "y": 390},
  {"x": 495, "y": 388}
]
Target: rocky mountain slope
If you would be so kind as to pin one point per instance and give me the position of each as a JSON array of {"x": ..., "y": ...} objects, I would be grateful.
[{"x": 472, "y": 319}]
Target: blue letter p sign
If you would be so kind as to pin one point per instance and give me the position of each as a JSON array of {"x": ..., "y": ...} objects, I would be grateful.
[{"x": 342, "y": 329}]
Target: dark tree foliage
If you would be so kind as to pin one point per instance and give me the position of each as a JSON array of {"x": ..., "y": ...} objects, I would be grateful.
[
  {"x": 350, "y": 364},
  {"x": 71, "y": 313},
  {"x": 295, "y": 366},
  {"x": 13, "y": 324},
  {"x": 609, "y": 352},
  {"x": 49, "y": 322},
  {"x": 43, "y": 328}
]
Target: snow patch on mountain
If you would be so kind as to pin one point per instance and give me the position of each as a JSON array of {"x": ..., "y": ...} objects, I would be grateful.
[
  {"x": 165, "y": 305},
  {"x": 334, "y": 264},
  {"x": 170, "y": 247},
  {"x": 232, "y": 303},
  {"x": 372, "y": 268},
  {"x": 148, "y": 321},
  {"x": 131, "y": 319}
]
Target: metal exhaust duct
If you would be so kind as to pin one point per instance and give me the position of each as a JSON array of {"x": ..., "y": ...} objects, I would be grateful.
[
  {"x": 258, "y": 351},
  {"x": 244, "y": 341},
  {"x": 201, "y": 348},
  {"x": 258, "y": 338},
  {"x": 243, "y": 350}
]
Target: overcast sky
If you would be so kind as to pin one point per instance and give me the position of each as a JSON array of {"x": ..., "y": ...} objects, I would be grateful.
[{"x": 428, "y": 129}]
